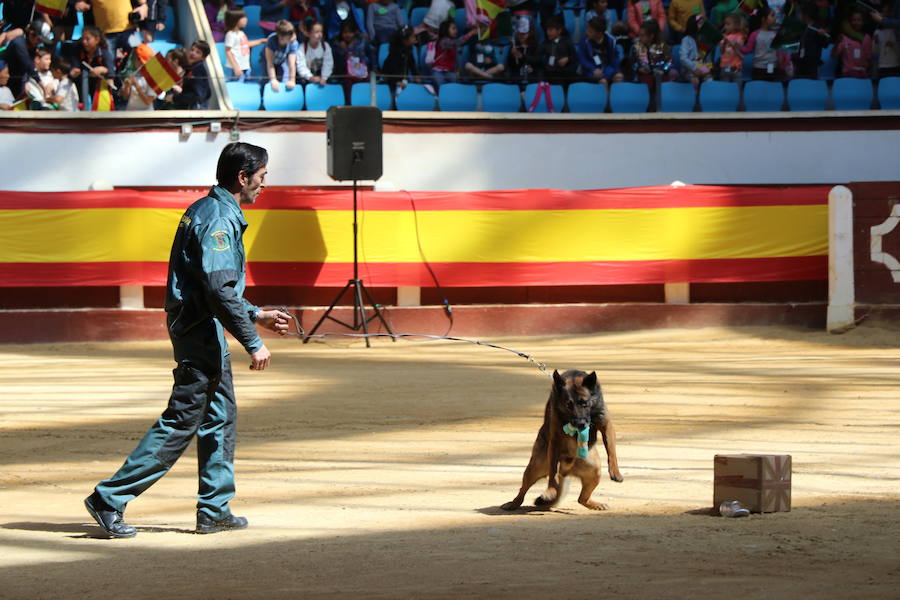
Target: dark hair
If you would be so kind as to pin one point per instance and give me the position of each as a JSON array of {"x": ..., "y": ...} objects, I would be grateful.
[
  {"x": 239, "y": 157},
  {"x": 60, "y": 63},
  {"x": 349, "y": 25},
  {"x": 692, "y": 27},
  {"x": 233, "y": 17},
  {"x": 598, "y": 23},
  {"x": 444, "y": 29},
  {"x": 41, "y": 51},
  {"x": 202, "y": 46},
  {"x": 95, "y": 32},
  {"x": 177, "y": 56},
  {"x": 651, "y": 27},
  {"x": 555, "y": 22}
]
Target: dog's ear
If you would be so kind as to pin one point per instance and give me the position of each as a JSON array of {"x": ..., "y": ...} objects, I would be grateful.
[
  {"x": 558, "y": 381},
  {"x": 590, "y": 382}
]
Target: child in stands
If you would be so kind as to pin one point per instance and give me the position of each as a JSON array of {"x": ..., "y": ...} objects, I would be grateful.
[
  {"x": 315, "y": 61},
  {"x": 731, "y": 61},
  {"x": 66, "y": 92},
  {"x": 766, "y": 62},
  {"x": 401, "y": 63},
  {"x": 91, "y": 52},
  {"x": 279, "y": 59},
  {"x": 600, "y": 8},
  {"x": 482, "y": 63},
  {"x": 812, "y": 41},
  {"x": 854, "y": 46},
  {"x": 651, "y": 57},
  {"x": 558, "y": 61},
  {"x": 887, "y": 49},
  {"x": 524, "y": 61},
  {"x": 237, "y": 46},
  {"x": 722, "y": 9},
  {"x": 597, "y": 54},
  {"x": 383, "y": 19},
  {"x": 444, "y": 66},
  {"x": 641, "y": 11},
  {"x": 40, "y": 85},
  {"x": 6, "y": 96},
  {"x": 692, "y": 61}
]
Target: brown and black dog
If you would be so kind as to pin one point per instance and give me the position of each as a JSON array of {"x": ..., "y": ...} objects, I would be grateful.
[{"x": 577, "y": 402}]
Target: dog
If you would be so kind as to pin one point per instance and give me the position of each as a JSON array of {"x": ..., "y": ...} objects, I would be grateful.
[{"x": 575, "y": 403}]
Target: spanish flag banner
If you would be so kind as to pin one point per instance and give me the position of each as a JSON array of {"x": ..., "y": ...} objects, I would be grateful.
[
  {"x": 461, "y": 239},
  {"x": 54, "y": 8},
  {"x": 496, "y": 17},
  {"x": 159, "y": 74},
  {"x": 103, "y": 100}
]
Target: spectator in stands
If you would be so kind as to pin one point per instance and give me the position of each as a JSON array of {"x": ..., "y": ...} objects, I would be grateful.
[
  {"x": 780, "y": 8},
  {"x": 66, "y": 92},
  {"x": 383, "y": 19},
  {"x": 524, "y": 61},
  {"x": 135, "y": 90},
  {"x": 600, "y": 8},
  {"x": 482, "y": 63},
  {"x": 271, "y": 12},
  {"x": 731, "y": 60},
  {"x": 279, "y": 59},
  {"x": 237, "y": 46},
  {"x": 886, "y": 48},
  {"x": 177, "y": 57},
  {"x": 352, "y": 56},
  {"x": 640, "y": 11},
  {"x": 155, "y": 21},
  {"x": 195, "y": 89},
  {"x": 651, "y": 57},
  {"x": 39, "y": 86},
  {"x": 693, "y": 64},
  {"x": 766, "y": 62},
  {"x": 315, "y": 60},
  {"x": 558, "y": 62},
  {"x": 854, "y": 46},
  {"x": 438, "y": 13},
  {"x": 339, "y": 12},
  {"x": 889, "y": 18},
  {"x": 91, "y": 60},
  {"x": 401, "y": 64},
  {"x": 444, "y": 65},
  {"x": 6, "y": 96},
  {"x": 215, "y": 14},
  {"x": 812, "y": 41},
  {"x": 118, "y": 20},
  {"x": 19, "y": 53},
  {"x": 679, "y": 13},
  {"x": 597, "y": 54},
  {"x": 722, "y": 9},
  {"x": 17, "y": 16},
  {"x": 302, "y": 14}
]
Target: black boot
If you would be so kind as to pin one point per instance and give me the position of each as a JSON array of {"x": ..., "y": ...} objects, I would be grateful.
[
  {"x": 206, "y": 524},
  {"x": 108, "y": 518}
]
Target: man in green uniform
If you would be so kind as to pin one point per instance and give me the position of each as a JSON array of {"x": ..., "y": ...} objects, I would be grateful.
[{"x": 204, "y": 299}]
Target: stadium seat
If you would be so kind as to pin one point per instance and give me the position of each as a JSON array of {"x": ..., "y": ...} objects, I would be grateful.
[
  {"x": 849, "y": 93},
  {"x": 382, "y": 54},
  {"x": 255, "y": 66},
  {"x": 627, "y": 97},
  {"x": 253, "y": 30},
  {"x": 556, "y": 95},
  {"x": 220, "y": 48},
  {"x": 677, "y": 97},
  {"x": 889, "y": 93},
  {"x": 323, "y": 98},
  {"x": 415, "y": 97},
  {"x": 361, "y": 95},
  {"x": 747, "y": 71},
  {"x": 170, "y": 33},
  {"x": 763, "y": 96},
  {"x": 457, "y": 97},
  {"x": 575, "y": 32},
  {"x": 244, "y": 96},
  {"x": 828, "y": 68},
  {"x": 163, "y": 46},
  {"x": 807, "y": 94},
  {"x": 501, "y": 97},
  {"x": 416, "y": 15},
  {"x": 587, "y": 97},
  {"x": 283, "y": 99},
  {"x": 460, "y": 19},
  {"x": 719, "y": 96}
]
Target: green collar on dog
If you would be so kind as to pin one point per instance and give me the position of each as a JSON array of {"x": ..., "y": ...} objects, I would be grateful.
[{"x": 582, "y": 434}]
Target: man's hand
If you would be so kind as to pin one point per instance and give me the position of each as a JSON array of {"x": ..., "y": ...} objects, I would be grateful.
[
  {"x": 274, "y": 320},
  {"x": 259, "y": 360}
]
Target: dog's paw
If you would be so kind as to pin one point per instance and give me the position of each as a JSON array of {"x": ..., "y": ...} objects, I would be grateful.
[
  {"x": 616, "y": 476},
  {"x": 595, "y": 505},
  {"x": 546, "y": 499},
  {"x": 512, "y": 505}
]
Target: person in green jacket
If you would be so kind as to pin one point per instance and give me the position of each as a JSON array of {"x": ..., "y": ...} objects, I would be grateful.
[{"x": 204, "y": 298}]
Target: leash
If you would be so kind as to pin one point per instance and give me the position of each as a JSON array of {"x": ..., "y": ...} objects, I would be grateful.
[{"x": 301, "y": 335}]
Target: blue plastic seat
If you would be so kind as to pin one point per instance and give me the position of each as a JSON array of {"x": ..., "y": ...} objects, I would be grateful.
[
  {"x": 283, "y": 99},
  {"x": 253, "y": 30},
  {"x": 501, "y": 97},
  {"x": 256, "y": 67},
  {"x": 244, "y": 96},
  {"x": 415, "y": 97},
  {"x": 416, "y": 15},
  {"x": 361, "y": 95},
  {"x": 763, "y": 96},
  {"x": 584, "y": 97},
  {"x": 849, "y": 93},
  {"x": 220, "y": 48},
  {"x": 747, "y": 70},
  {"x": 889, "y": 93},
  {"x": 323, "y": 98},
  {"x": 170, "y": 33},
  {"x": 719, "y": 96},
  {"x": 163, "y": 46},
  {"x": 460, "y": 19},
  {"x": 625, "y": 97},
  {"x": 382, "y": 54},
  {"x": 677, "y": 97},
  {"x": 575, "y": 32},
  {"x": 457, "y": 97},
  {"x": 807, "y": 94},
  {"x": 828, "y": 68},
  {"x": 557, "y": 96}
]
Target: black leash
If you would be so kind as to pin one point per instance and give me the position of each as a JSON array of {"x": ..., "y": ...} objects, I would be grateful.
[{"x": 302, "y": 336}]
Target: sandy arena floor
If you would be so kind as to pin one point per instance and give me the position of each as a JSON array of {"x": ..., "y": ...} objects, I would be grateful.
[{"x": 378, "y": 473}]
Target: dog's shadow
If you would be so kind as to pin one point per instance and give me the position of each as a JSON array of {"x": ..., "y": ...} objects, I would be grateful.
[
  {"x": 83, "y": 530},
  {"x": 522, "y": 510}
]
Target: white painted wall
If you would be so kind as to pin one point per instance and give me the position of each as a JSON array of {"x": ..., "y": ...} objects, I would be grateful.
[{"x": 460, "y": 162}]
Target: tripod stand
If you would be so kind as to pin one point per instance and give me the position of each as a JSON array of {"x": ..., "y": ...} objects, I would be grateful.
[{"x": 360, "y": 320}]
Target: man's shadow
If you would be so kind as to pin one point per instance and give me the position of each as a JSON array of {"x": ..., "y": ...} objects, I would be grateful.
[{"x": 84, "y": 530}]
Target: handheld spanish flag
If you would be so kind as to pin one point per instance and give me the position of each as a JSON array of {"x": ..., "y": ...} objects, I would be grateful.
[
  {"x": 21, "y": 104},
  {"x": 492, "y": 18},
  {"x": 103, "y": 100},
  {"x": 159, "y": 74},
  {"x": 54, "y": 8}
]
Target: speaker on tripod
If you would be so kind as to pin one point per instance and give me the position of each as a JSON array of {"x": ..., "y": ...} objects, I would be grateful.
[{"x": 354, "y": 153}]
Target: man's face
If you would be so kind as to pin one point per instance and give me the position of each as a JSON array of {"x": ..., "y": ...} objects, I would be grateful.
[{"x": 252, "y": 186}]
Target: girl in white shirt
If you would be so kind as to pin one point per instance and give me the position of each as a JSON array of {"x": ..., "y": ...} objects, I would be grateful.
[
  {"x": 315, "y": 63},
  {"x": 237, "y": 46}
]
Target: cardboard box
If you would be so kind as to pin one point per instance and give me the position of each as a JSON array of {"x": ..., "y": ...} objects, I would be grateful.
[{"x": 761, "y": 482}]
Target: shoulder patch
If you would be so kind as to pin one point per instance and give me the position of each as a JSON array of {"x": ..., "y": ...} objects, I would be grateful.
[
  {"x": 220, "y": 240},
  {"x": 185, "y": 221}
]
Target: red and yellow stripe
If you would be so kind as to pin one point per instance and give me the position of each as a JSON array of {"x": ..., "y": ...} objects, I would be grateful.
[
  {"x": 54, "y": 8},
  {"x": 509, "y": 238},
  {"x": 159, "y": 74}
]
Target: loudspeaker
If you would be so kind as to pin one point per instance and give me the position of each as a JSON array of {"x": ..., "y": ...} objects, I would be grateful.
[{"x": 354, "y": 143}]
